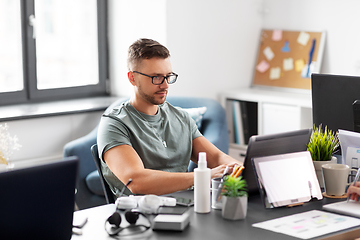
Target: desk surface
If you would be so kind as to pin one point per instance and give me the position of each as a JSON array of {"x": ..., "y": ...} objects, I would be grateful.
[{"x": 206, "y": 226}]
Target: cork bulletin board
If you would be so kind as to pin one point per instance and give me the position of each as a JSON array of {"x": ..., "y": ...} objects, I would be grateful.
[{"x": 284, "y": 56}]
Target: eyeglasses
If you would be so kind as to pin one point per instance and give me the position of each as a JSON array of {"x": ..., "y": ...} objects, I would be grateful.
[{"x": 158, "y": 80}]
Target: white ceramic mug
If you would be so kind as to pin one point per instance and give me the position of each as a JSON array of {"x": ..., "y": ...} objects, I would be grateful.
[{"x": 335, "y": 178}]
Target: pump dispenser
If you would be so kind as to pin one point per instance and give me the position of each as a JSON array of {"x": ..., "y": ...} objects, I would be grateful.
[{"x": 202, "y": 179}]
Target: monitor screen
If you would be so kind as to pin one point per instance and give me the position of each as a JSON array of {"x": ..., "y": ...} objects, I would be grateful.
[{"x": 332, "y": 100}]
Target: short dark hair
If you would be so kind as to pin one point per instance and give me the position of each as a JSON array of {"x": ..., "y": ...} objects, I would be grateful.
[{"x": 145, "y": 49}]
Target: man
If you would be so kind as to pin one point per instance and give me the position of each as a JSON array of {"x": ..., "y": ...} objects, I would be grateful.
[{"x": 147, "y": 139}]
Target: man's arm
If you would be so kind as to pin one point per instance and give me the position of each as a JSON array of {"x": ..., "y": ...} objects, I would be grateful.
[
  {"x": 216, "y": 159},
  {"x": 125, "y": 163}
]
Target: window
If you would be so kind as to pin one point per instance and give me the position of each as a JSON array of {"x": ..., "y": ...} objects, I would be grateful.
[
  {"x": 11, "y": 67},
  {"x": 52, "y": 49}
]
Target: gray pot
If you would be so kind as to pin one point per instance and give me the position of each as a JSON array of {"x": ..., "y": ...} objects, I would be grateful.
[{"x": 234, "y": 208}]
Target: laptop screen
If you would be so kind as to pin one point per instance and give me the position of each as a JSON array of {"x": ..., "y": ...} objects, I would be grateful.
[
  {"x": 272, "y": 144},
  {"x": 38, "y": 202}
]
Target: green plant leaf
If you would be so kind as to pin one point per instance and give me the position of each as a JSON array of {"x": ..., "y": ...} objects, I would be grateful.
[
  {"x": 322, "y": 143},
  {"x": 234, "y": 187}
]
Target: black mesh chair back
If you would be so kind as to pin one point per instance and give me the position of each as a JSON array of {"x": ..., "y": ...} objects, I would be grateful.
[{"x": 107, "y": 191}]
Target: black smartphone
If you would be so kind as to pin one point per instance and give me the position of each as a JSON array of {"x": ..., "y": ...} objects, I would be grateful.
[
  {"x": 188, "y": 202},
  {"x": 177, "y": 210}
]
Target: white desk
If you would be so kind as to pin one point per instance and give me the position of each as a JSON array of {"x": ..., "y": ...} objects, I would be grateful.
[{"x": 96, "y": 220}]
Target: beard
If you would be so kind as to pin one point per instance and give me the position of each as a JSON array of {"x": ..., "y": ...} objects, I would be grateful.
[{"x": 153, "y": 99}]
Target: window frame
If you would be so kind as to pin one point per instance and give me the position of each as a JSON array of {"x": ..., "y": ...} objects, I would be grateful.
[{"x": 30, "y": 93}]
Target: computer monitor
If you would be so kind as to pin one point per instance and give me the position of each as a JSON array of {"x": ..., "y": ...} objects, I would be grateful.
[
  {"x": 332, "y": 100},
  {"x": 38, "y": 202}
]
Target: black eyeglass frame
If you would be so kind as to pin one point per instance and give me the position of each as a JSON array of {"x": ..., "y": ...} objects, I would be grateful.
[{"x": 164, "y": 77}]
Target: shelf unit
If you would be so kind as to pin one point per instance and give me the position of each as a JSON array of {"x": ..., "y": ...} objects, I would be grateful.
[{"x": 277, "y": 111}]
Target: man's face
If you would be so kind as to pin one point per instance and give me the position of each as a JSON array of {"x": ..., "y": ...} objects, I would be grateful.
[{"x": 154, "y": 94}]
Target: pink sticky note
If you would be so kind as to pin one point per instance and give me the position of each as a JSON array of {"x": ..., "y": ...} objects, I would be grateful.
[
  {"x": 262, "y": 66},
  {"x": 277, "y": 35}
]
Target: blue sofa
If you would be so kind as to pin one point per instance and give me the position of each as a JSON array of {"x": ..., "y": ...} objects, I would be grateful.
[{"x": 89, "y": 189}]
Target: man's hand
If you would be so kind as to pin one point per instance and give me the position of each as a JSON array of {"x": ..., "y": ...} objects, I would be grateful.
[
  {"x": 354, "y": 191},
  {"x": 219, "y": 170}
]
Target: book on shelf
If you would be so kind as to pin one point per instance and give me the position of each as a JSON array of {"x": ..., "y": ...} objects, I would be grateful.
[{"x": 238, "y": 123}]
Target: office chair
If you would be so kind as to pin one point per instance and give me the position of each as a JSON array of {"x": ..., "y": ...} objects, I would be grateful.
[{"x": 108, "y": 193}]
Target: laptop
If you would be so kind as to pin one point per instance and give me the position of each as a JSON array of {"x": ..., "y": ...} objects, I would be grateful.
[
  {"x": 272, "y": 144},
  {"x": 38, "y": 202}
]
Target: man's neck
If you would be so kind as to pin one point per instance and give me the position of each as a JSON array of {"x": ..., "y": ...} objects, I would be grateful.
[{"x": 144, "y": 107}]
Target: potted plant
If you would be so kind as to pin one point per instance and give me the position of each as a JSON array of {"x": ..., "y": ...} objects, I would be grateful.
[
  {"x": 235, "y": 198},
  {"x": 323, "y": 143}
]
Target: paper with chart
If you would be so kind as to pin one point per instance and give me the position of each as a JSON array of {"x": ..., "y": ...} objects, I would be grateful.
[{"x": 309, "y": 224}]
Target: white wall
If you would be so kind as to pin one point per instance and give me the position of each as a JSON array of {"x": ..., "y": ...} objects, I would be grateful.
[
  {"x": 130, "y": 20},
  {"x": 213, "y": 44}
]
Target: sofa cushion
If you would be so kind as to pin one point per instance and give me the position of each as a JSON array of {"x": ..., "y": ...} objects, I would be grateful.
[
  {"x": 94, "y": 184},
  {"x": 197, "y": 114}
]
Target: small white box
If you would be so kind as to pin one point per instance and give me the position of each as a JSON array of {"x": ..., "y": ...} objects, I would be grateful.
[{"x": 172, "y": 221}]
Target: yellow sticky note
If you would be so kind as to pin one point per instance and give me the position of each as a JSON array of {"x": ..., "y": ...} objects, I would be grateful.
[
  {"x": 275, "y": 73},
  {"x": 288, "y": 64},
  {"x": 299, "y": 65}
]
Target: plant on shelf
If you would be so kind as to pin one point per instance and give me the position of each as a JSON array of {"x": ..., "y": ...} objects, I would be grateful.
[
  {"x": 322, "y": 144},
  {"x": 235, "y": 198}
]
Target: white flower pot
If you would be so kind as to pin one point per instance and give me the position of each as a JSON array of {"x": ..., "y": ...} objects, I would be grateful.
[
  {"x": 317, "y": 166},
  {"x": 234, "y": 208}
]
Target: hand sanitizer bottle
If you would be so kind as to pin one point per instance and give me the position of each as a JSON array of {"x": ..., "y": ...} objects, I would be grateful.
[{"x": 202, "y": 179}]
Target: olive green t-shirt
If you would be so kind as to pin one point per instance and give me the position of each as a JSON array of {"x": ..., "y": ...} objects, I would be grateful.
[{"x": 163, "y": 141}]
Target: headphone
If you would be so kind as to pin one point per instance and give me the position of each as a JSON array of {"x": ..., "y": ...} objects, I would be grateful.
[
  {"x": 112, "y": 224},
  {"x": 149, "y": 203}
]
